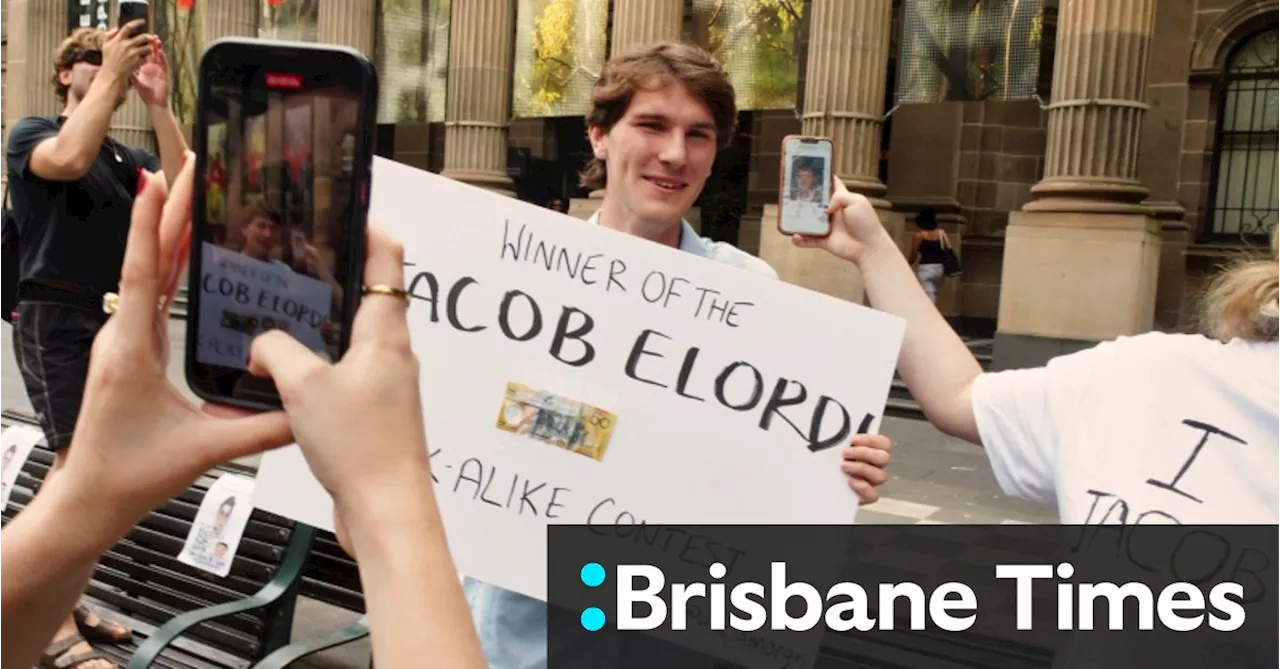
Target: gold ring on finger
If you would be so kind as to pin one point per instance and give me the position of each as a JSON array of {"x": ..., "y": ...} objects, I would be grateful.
[{"x": 382, "y": 289}]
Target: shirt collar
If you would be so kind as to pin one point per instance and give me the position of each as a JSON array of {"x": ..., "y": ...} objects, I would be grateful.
[{"x": 690, "y": 242}]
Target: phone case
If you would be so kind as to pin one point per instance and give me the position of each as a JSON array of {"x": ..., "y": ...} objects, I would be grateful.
[
  {"x": 783, "y": 187},
  {"x": 362, "y": 180}
]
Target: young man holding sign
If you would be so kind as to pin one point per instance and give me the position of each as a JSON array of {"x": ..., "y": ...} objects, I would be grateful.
[{"x": 660, "y": 114}]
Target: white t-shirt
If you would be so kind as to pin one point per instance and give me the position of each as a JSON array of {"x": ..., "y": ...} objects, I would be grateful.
[
  {"x": 1150, "y": 428},
  {"x": 1145, "y": 430}
]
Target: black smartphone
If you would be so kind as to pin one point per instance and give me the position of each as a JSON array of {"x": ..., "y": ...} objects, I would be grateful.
[
  {"x": 132, "y": 10},
  {"x": 283, "y": 144}
]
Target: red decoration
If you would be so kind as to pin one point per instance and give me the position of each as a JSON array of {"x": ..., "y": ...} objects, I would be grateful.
[
  {"x": 296, "y": 157},
  {"x": 186, "y": 4},
  {"x": 217, "y": 176},
  {"x": 254, "y": 163},
  {"x": 275, "y": 3}
]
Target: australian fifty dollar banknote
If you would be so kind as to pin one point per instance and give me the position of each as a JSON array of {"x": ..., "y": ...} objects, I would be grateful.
[{"x": 559, "y": 421}]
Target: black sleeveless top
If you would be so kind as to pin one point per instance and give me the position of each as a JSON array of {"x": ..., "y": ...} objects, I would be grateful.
[{"x": 930, "y": 252}]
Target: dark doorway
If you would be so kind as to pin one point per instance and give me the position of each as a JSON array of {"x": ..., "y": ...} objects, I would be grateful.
[
  {"x": 724, "y": 199},
  {"x": 573, "y": 150},
  {"x": 535, "y": 180}
]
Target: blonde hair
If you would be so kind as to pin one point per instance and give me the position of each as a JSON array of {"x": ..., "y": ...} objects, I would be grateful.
[
  {"x": 64, "y": 56},
  {"x": 1243, "y": 302}
]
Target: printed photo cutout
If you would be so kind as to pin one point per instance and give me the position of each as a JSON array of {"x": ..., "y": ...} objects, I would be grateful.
[
  {"x": 558, "y": 421},
  {"x": 215, "y": 535},
  {"x": 16, "y": 445}
]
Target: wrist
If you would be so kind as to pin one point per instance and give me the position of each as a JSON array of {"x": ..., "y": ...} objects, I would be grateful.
[
  {"x": 879, "y": 247},
  {"x": 384, "y": 516},
  {"x": 112, "y": 80},
  {"x": 85, "y": 526},
  {"x": 383, "y": 500}
]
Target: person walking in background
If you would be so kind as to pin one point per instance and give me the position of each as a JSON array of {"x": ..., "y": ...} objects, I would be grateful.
[{"x": 926, "y": 253}]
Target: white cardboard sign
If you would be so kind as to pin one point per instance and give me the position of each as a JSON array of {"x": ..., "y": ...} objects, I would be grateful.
[
  {"x": 732, "y": 394},
  {"x": 242, "y": 297}
]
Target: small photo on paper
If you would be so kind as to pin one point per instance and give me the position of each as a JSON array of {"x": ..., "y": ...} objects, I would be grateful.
[
  {"x": 808, "y": 174},
  {"x": 219, "y": 525},
  {"x": 16, "y": 445}
]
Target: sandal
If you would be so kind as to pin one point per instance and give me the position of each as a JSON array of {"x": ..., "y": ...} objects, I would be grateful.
[
  {"x": 52, "y": 657},
  {"x": 105, "y": 631}
]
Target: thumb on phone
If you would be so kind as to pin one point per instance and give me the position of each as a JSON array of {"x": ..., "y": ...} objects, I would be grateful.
[{"x": 285, "y": 361}]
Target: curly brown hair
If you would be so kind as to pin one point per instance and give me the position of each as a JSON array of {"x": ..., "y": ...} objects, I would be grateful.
[
  {"x": 69, "y": 50},
  {"x": 653, "y": 66}
]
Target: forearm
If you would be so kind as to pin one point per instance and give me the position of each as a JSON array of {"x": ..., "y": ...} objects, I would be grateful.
[
  {"x": 80, "y": 138},
  {"x": 169, "y": 139},
  {"x": 46, "y": 557},
  {"x": 416, "y": 606},
  {"x": 935, "y": 363}
]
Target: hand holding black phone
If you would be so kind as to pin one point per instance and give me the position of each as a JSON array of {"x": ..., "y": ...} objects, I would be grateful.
[
  {"x": 132, "y": 10},
  {"x": 284, "y": 149}
]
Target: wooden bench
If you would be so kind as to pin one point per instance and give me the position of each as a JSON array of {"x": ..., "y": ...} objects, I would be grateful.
[{"x": 183, "y": 617}]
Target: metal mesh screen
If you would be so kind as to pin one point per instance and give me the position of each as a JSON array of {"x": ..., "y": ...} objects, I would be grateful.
[
  {"x": 413, "y": 60},
  {"x": 757, "y": 42},
  {"x": 559, "y": 52},
  {"x": 969, "y": 50}
]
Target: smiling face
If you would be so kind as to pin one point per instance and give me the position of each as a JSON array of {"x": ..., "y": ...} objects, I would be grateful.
[
  {"x": 658, "y": 156},
  {"x": 259, "y": 237},
  {"x": 806, "y": 180}
]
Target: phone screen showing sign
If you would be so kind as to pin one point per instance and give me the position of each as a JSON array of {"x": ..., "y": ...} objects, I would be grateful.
[
  {"x": 806, "y": 186},
  {"x": 279, "y": 181}
]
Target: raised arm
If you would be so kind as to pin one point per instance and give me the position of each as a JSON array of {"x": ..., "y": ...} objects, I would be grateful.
[
  {"x": 67, "y": 156},
  {"x": 138, "y": 442},
  {"x": 383, "y": 496},
  {"x": 936, "y": 365}
]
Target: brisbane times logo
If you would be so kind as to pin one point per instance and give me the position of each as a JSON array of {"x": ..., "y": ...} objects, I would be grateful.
[{"x": 645, "y": 601}]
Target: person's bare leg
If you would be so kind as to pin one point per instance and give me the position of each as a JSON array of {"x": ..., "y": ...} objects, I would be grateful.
[{"x": 68, "y": 627}]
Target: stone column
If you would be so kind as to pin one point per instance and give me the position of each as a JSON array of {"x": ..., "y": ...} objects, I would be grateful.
[
  {"x": 35, "y": 29},
  {"x": 845, "y": 87},
  {"x": 478, "y": 111},
  {"x": 1095, "y": 118},
  {"x": 638, "y": 22},
  {"x": 1168, "y": 94},
  {"x": 848, "y": 63},
  {"x": 1081, "y": 259},
  {"x": 347, "y": 23}
]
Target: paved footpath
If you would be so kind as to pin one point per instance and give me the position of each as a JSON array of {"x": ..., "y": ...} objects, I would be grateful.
[{"x": 934, "y": 479}]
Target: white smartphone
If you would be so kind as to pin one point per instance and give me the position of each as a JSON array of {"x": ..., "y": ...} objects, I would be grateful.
[{"x": 805, "y": 186}]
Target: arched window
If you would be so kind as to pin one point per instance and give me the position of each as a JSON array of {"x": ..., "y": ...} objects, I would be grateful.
[{"x": 1243, "y": 207}]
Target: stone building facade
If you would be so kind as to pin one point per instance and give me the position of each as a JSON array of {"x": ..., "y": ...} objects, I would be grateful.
[{"x": 1095, "y": 212}]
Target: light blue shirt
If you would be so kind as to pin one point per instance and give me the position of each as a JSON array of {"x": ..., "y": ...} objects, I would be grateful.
[{"x": 513, "y": 627}]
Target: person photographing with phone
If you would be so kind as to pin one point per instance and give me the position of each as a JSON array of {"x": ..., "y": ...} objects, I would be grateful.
[{"x": 72, "y": 189}]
